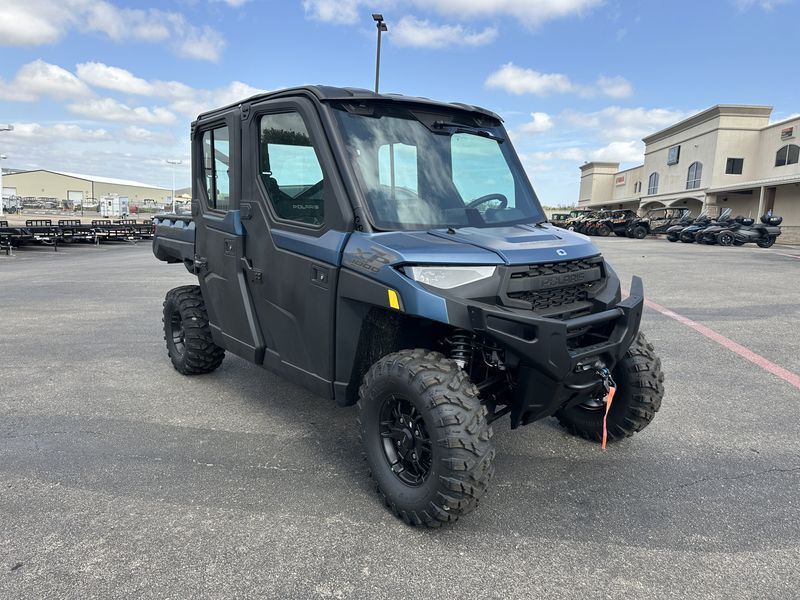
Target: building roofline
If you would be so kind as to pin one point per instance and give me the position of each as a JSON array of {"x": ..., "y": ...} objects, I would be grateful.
[
  {"x": 718, "y": 110},
  {"x": 595, "y": 163},
  {"x": 93, "y": 179},
  {"x": 782, "y": 123}
]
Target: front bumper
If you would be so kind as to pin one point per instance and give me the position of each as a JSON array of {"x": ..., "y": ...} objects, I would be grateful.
[{"x": 551, "y": 372}]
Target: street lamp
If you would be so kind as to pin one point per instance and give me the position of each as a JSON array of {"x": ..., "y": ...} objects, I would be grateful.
[
  {"x": 378, "y": 18},
  {"x": 174, "y": 163},
  {"x": 2, "y": 157}
]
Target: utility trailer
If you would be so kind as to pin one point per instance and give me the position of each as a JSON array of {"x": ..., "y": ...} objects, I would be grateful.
[
  {"x": 44, "y": 232},
  {"x": 75, "y": 231},
  {"x": 141, "y": 231},
  {"x": 108, "y": 231}
]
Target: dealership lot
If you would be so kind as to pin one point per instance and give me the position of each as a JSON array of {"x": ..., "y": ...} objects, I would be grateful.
[{"x": 121, "y": 478}]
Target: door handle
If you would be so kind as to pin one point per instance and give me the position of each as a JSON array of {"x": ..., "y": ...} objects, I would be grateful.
[{"x": 255, "y": 275}]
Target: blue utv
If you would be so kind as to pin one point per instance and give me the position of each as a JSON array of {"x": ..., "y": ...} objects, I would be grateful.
[{"x": 390, "y": 252}]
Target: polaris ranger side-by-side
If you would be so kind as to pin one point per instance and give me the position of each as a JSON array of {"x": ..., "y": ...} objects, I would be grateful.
[{"x": 390, "y": 252}]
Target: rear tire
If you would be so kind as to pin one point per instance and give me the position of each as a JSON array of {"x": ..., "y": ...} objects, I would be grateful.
[
  {"x": 672, "y": 238},
  {"x": 433, "y": 472},
  {"x": 639, "y": 232},
  {"x": 767, "y": 243},
  {"x": 603, "y": 231},
  {"x": 188, "y": 335},
  {"x": 640, "y": 388}
]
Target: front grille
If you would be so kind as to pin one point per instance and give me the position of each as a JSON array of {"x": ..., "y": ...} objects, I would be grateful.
[
  {"x": 556, "y": 288},
  {"x": 546, "y": 299},
  {"x": 569, "y": 266}
]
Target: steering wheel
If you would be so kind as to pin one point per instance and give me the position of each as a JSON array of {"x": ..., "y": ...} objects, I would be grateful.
[{"x": 488, "y": 197}]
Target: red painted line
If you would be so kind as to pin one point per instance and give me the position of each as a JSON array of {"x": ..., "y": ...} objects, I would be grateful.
[{"x": 757, "y": 359}]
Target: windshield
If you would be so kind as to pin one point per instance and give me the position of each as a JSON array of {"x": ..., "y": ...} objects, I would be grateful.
[{"x": 423, "y": 170}]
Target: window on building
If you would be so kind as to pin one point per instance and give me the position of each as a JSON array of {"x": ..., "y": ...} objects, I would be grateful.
[
  {"x": 788, "y": 155},
  {"x": 216, "y": 165},
  {"x": 694, "y": 176},
  {"x": 734, "y": 166},
  {"x": 652, "y": 184},
  {"x": 290, "y": 169}
]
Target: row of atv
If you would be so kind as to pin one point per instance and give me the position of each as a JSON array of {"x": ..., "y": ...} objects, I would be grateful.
[
  {"x": 727, "y": 231},
  {"x": 622, "y": 223}
]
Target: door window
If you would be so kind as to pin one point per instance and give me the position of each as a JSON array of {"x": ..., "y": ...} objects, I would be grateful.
[
  {"x": 290, "y": 169},
  {"x": 216, "y": 165}
]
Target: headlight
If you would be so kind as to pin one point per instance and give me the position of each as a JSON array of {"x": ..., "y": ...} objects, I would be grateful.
[{"x": 449, "y": 277}]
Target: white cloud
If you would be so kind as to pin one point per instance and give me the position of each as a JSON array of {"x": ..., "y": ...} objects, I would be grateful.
[
  {"x": 191, "y": 102},
  {"x": 614, "y": 87},
  {"x": 539, "y": 123},
  {"x": 519, "y": 81},
  {"x": 531, "y": 12},
  {"x": 180, "y": 97},
  {"x": 615, "y": 122},
  {"x": 233, "y": 3},
  {"x": 55, "y": 133},
  {"x": 37, "y": 22},
  {"x": 114, "y": 78},
  {"x": 333, "y": 11},
  {"x": 108, "y": 109},
  {"x": 38, "y": 78},
  {"x": 139, "y": 135},
  {"x": 765, "y": 5},
  {"x": 22, "y": 26},
  {"x": 419, "y": 33}
]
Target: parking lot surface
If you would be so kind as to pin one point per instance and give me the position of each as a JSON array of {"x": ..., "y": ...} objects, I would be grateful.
[{"x": 120, "y": 478}]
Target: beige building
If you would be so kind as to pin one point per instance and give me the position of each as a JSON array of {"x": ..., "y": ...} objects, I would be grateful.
[
  {"x": 80, "y": 189},
  {"x": 726, "y": 156}
]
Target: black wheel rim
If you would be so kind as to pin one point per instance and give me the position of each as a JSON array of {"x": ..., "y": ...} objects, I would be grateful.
[
  {"x": 177, "y": 335},
  {"x": 405, "y": 441}
]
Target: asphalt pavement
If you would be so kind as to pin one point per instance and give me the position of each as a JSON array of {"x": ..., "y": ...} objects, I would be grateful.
[{"x": 120, "y": 478}]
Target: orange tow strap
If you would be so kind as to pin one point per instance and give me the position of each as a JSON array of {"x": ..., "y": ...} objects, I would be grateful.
[{"x": 609, "y": 399}]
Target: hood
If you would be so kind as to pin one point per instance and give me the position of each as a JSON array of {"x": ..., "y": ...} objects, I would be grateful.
[{"x": 518, "y": 244}]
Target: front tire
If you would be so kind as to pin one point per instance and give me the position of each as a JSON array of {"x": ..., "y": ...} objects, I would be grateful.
[
  {"x": 188, "y": 334},
  {"x": 425, "y": 436},
  {"x": 639, "y": 232},
  {"x": 640, "y": 388}
]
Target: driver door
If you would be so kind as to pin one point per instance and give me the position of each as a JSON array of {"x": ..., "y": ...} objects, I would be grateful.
[{"x": 295, "y": 231}]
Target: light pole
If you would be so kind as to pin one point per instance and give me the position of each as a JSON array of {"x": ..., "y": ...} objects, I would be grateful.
[
  {"x": 381, "y": 28},
  {"x": 2, "y": 157},
  {"x": 174, "y": 163}
]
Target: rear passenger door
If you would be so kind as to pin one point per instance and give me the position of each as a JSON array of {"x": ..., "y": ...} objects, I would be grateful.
[
  {"x": 296, "y": 217},
  {"x": 216, "y": 173}
]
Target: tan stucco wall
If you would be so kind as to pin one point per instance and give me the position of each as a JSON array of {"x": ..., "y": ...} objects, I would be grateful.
[
  {"x": 45, "y": 184},
  {"x": 42, "y": 184}
]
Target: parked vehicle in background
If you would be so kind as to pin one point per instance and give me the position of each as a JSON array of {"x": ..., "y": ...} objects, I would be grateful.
[
  {"x": 686, "y": 233},
  {"x": 746, "y": 231},
  {"x": 658, "y": 220},
  {"x": 558, "y": 219},
  {"x": 620, "y": 220},
  {"x": 332, "y": 246},
  {"x": 573, "y": 216},
  {"x": 724, "y": 220}
]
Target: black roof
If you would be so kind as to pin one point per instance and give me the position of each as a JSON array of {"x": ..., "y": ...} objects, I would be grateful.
[{"x": 329, "y": 93}]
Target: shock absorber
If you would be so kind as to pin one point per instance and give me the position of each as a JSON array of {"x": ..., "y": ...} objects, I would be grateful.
[{"x": 461, "y": 345}]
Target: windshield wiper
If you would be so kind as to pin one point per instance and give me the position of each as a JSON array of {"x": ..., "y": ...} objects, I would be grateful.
[{"x": 461, "y": 128}]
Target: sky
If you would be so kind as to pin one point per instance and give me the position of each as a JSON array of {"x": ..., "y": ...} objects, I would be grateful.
[{"x": 110, "y": 87}]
